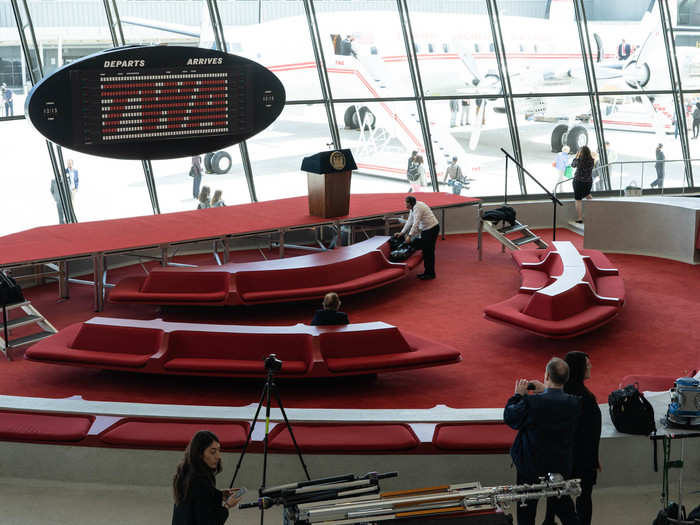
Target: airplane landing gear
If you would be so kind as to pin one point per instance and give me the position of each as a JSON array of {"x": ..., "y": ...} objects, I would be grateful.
[
  {"x": 219, "y": 162},
  {"x": 575, "y": 138},
  {"x": 355, "y": 116}
]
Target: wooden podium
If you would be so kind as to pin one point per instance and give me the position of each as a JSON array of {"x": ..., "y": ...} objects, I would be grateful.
[{"x": 328, "y": 175}]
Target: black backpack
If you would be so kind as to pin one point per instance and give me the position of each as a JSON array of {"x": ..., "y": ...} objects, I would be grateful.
[
  {"x": 504, "y": 213},
  {"x": 10, "y": 291},
  {"x": 630, "y": 412},
  {"x": 413, "y": 172},
  {"x": 400, "y": 251}
]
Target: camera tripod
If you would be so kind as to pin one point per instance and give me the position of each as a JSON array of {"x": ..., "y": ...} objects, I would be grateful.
[{"x": 272, "y": 365}]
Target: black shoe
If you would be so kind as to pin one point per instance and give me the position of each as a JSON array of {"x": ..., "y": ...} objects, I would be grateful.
[
  {"x": 426, "y": 277},
  {"x": 579, "y": 222},
  {"x": 420, "y": 276}
]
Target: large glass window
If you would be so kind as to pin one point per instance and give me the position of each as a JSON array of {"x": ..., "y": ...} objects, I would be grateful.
[
  {"x": 364, "y": 49},
  {"x": 543, "y": 53},
  {"x": 276, "y": 153},
  {"x": 26, "y": 199},
  {"x": 14, "y": 80},
  {"x": 276, "y": 37},
  {"x": 454, "y": 46}
]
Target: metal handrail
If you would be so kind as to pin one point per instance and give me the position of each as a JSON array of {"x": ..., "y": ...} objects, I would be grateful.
[
  {"x": 598, "y": 169},
  {"x": 551, "y": 195}
]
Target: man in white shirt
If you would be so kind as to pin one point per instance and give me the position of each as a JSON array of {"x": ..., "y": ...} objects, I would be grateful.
[{"x": 421, "y": 221}]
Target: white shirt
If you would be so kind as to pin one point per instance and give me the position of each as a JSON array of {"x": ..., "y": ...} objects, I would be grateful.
[{"x": 420, "y": 219}]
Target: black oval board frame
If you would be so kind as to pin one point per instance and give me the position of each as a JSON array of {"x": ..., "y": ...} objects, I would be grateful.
[{"x": 155, "y": 102}]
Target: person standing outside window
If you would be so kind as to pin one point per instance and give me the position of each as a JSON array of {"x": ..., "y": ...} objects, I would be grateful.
[
  {"x": 660, "y": 166},
  {"x": 7, "y": 99},
  {"x": 561, "y": 162},
  {"x": 196, "y": 174},
  {"x": 421, "y": 220},
  {"x": 623, "y": 50},
  {"x": 72, "y": 174}
]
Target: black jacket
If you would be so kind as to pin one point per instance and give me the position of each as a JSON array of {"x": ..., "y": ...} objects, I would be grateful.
[
  {"x": 202, "y": 505},
  {"x": 546, "y": 425},
  {"x": 587, "y": 440},
  {"x": 584, "y": 169},
  {"x": 329, "y": 317}
]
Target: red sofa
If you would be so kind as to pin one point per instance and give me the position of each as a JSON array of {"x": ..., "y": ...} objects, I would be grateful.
[
  {"x": 161, "y": 347},
  {"x": 563, "y": 292},
  {"x": 347, "y": 270}
]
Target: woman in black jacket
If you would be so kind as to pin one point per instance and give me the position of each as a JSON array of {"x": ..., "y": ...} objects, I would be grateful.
[
  {"x": 587, "y": 439},
  {"x": 583, "y": 179},
  {"x": 197, "y": 500}
]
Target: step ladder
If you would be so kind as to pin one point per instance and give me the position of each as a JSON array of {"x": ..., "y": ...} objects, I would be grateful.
[
  {"x": 31, "y": 316},
  {"x": 501, "y": 234}
]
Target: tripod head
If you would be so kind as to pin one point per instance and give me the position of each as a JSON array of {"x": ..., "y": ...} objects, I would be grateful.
[{"x": 273, "y": 364}]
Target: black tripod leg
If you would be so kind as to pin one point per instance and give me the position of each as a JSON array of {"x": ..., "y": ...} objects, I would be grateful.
[
  {"x": 269, "y": 386},
  {"x": 289, "y": 427},
  {"x": 4, "y": 328},
  {"x": 250, "y": 433}
]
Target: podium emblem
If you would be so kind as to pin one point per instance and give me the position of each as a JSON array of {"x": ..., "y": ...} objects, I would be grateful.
[{"x": 337, "y": 160}]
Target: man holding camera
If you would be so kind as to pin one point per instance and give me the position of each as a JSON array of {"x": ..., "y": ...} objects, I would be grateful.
[
  {"x": 421, "y": 221},
  {"x": 546, "y": 423}
]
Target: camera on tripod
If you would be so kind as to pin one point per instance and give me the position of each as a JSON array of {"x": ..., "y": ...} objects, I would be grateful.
[{"x": 273, "y": 363}]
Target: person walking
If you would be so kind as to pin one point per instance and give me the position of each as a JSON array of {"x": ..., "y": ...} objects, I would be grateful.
[
  {"x": 196, "y": 174},
  {"x": 57, "y": 198},
  {"x": 73, "y": 179},
  {"x": 464, "y": 117},
  {"x": 696, "y": 120},
  {"x": 583, "y": 179},
  {"x": 8, "y": 100},
  {"x": 561, "y": 162},
  {"x": 416, "y": 174},
  {"x": 454, "y": 110},
  {"x": 660, "y": 166},
  {"x": 587, "y": 439}
]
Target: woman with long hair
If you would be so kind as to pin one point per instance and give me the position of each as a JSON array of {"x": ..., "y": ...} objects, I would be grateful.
[
  {"x": 587, "y": 438},
  {"x": 204, "y": 201},
  {"x": 197, "y": 500},
  {"x": 583, "y": 179}
]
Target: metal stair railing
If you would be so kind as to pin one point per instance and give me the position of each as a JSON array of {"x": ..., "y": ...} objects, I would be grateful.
[{"x": 551, "y": 196}]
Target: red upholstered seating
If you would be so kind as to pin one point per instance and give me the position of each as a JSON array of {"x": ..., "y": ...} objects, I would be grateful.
[
  {"x": 529, "y": 256},
  {"x": 566, "y": 294},
  {"x": 191, "y": 351},
  {"x": 372, "y": 350},
  {"x": 120, "y": 346},
  {"x": 486, "y": 437},
  {"x": 344, "y": 438},
  {"x": 413, "y": 261},
  {"x": 172, "y": 433},
  {"x": 40, "y": 427},
  {"x": 161, "y": 347},
  {"x": 347, "y": 270},
  {"x": 359, "y": 273}
]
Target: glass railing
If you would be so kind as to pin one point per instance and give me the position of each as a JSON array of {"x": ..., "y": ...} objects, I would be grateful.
[{"x": 632, "y": 177}]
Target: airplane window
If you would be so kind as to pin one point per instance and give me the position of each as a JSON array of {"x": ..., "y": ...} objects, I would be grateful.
[
  {"x": 491, "y": 48},
  {"x": 416, "y": 47},
  {"x": 431, "y": 49},
  {"x": 373, "y": 50},
  {"x": 445, "y": 48},
  {"x": 476, "y": 48}
]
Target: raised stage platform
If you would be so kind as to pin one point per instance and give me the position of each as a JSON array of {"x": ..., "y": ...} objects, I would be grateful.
[{"x": 96, "y": 239}]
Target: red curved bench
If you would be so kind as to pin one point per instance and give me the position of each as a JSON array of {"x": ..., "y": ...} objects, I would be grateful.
[
  {"x": 347, "y": 270},
  {"x": 563, "y": 292},
  {"x": 238, "y": 351},
  {"x": 344, "y": 437}
]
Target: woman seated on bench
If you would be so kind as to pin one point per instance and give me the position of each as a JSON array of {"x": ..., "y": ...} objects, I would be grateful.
[{"x": 330, "y": 314}]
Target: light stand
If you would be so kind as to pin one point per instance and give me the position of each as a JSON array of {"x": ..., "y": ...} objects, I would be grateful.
[{"x": 272, "y": 365}]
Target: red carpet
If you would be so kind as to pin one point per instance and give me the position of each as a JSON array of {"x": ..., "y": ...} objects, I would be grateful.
[{"x": 656, "y": 333}]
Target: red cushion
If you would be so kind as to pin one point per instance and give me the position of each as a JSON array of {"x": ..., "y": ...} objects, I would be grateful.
[
  {"x": 376, "y": 362},
  {"x": 118, "y": 339},
  {"x": 344, "y": 438},
  {"x": 509, "y": 311},
  {"x": 239, "y": 346},
  {"x": 194, "y": 364},
  {"x": 534, "y": 279},
  {"x": 155, "y": 433},
  {"x": 650, "y": 383},
  {"x": 351, "y": 343},
  {"x": 90, "y": 357},
  {"x": 365, "y": 281},
  {"x": 127, "y": 290},
  {"x": 610, "y": 286},
  {"x": 313, "y": 276},
  {"x": 561, "y": 306},
  {"x": 598, "y": 258},
  {"x": 42, "y": 427},
  {"x": 186, "y": 281},
  {"x": 474, "y": 436}
]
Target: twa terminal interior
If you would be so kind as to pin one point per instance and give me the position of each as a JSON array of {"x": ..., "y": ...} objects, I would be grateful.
[{"x": 334, "y": 234}]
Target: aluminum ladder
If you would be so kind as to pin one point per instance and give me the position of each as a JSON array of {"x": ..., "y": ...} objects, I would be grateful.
[{"x": 31, "y": 316}]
